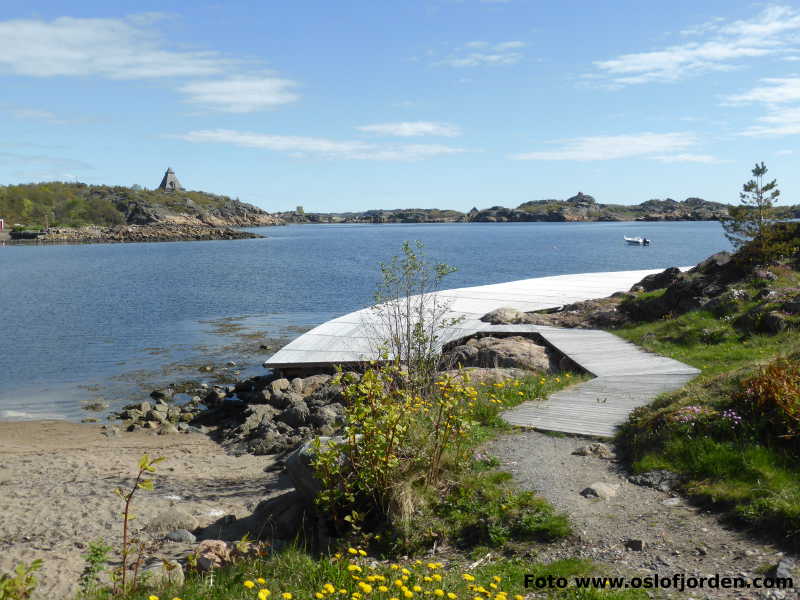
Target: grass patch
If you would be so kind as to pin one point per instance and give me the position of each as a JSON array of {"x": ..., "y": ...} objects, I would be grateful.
[
  {"x": 733, "y": 451},
  {"x": 295, "y": 575}
]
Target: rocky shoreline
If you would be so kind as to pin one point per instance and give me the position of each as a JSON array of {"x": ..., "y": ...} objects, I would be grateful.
[{"x": 167, "y": 232}]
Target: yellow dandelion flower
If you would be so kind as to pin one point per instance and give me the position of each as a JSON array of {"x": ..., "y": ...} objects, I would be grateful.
[
  {"x": 329, "y": 588},
  {"x": 468, "y": 577},
  {"x": 438, "y": 592},
  {"x": 398, "y": 583},
  {"x": 405, "y": 571},
  {"x": 451, "y": 596},
  {"x": 343, "y": 591},
  {"x": 261, "y": 581},
  {"x": 286, "y": 596},
  {"x": 249, "y": 584},
  {"x": 416, "y": 588},
  {"x": 319, "y": 595},
  {"x": 362, "y": 553},
  {"x": 408, "y": 594},
  {"x": 497, "y": 578},
  {"x": 263, "y": 594},
  {"x": 365, "y": 587},
  {"x": 152, "y": 598},
  {"x": 394, "y": 567},
  {"x": 383, "y": 588},
  {"x": 519, "y": 597},
  {"x": 352, "y": 551},
  {"x": 354, "y": 568},
  {"x": 427, "y": 578},
  {"x": 436, "y": 577},
  {"x": 493, "y": 586}
]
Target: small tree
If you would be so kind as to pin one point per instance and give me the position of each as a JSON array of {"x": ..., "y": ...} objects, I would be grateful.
[
  {"x": 750, "y": 222},
  {"x": 409, "y": 315}
]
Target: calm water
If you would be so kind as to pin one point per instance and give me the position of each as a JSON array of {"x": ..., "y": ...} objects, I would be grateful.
[{"x": 81, "y": 322}]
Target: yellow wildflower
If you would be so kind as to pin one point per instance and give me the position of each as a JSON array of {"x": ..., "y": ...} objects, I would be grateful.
[
  {"x": 355, "y": 568},
  {"x": 263, "y": 594},
  {"x": 519, "y": 597},
  {"x": 416, "y": 588},
  {"x": 152, "y": 598},
  {"x": 352, "y": 551},
  {"x": 436, "y": 577},
  {"x": 405, "y": 571},
  {"x": 438, "y": 592},
  {"x": 383, "y": 588},
  {"x": 249, "y": 584},
  {"x": 261, "y": 581},
  {"x": 365, "y": 587},
  {"x": 451, "y": 596},
  {"x": 362, "y": 553},
  {"x": 329, "y": 588},
  {"x": 408, "y": 594},
  {"x": 319, "y": 595},
  {"x": 286, "y": 596},
  {"x": 468, "y": 577}
]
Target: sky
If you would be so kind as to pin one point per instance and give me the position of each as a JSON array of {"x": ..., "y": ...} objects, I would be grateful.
[{"x": 355, "y": 105}]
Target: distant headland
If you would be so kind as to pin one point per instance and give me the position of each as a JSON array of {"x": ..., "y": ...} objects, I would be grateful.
[{"x": 78, "y": 212}]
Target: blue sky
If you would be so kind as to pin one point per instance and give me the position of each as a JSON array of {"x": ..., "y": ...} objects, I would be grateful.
[{"x": 351, "y": 105}]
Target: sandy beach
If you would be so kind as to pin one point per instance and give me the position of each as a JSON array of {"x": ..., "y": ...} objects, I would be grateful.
[{"x": 57, "y": 482}]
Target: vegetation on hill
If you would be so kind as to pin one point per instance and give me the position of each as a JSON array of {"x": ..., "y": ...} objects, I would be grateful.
[
  {"x": 734, "y": 432},
  {"x": 79, "y": 204}
]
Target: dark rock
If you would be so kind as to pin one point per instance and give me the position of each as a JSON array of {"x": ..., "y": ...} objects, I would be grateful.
[
  {"x": 600, "y": 489},
  {"x": 162, "y": 394},
  {"x": 296, "y": 413},
  {"x": 773, "y": 322},
  {"x": 660, "y": 280},
  {"x": 634, "y": 545},
  {"x": 660, "y": 479}
]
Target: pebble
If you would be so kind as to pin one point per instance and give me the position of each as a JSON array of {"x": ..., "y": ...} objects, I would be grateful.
[{"x": 183, "y": 536}]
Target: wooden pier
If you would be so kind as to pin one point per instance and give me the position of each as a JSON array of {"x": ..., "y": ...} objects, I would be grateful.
[{"x": 625, "y": 376}]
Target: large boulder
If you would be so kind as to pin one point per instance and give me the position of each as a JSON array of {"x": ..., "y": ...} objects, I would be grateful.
[
  {"x": 505, "y": 316},
  {"x": 504, "y": 352},
  {"x": 300, "y": 471},
  {"x": 660, "y": 280},
  {"x": 296, "y": 413}
]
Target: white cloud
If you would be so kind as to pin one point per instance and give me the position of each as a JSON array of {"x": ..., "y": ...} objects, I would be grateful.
[
  {"x": 784, "y": 152},
  {"x": 771, "y": 91},
  {"x": 111, "y": 48},
  {"x": 772, "y": 32},
  {"x": 503, "y": 53},
  {"x": 133, "y": 48},
  {"x": 781, "y": 99},
  {"x": 659, "y": 146},
  {"x": 240, "y": 94},
  {"x": 298, "y": 146},
  {"x": 686, "y": 158},
  {"x": 777, "y": 122},
  {"x": 412, "y": 129}
]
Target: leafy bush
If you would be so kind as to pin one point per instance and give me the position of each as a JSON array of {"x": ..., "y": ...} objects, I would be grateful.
[
  {"x": 20, "y": 584},
  {"x": 772, "y": 398}
]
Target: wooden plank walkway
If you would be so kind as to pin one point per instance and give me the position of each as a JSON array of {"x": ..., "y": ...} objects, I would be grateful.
[
  {"x": 625, "y": 376},
  {"x": 346, "y": 339}
]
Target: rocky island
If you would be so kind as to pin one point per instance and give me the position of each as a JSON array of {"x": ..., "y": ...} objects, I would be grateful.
[{"x": 77, "y": 212}]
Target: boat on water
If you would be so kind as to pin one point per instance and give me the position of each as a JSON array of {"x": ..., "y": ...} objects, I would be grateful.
[{"x": 638, "y": 241}]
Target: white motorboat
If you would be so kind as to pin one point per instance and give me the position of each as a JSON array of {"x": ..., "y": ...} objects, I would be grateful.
[{"x": 638, "y": 241}]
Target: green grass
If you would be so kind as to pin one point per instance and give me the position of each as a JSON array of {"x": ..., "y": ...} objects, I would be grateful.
[
  {"x": 751, "y": 477},
  {"x": 296, "y": 573}
]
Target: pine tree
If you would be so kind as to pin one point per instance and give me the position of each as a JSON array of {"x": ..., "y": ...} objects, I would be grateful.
[{"x": 750, "y": 222}]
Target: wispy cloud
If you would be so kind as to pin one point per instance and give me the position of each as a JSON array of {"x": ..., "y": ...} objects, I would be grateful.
[
  {"x": 133, "y": 48},
  {"x": 665, "y": 147},
  {"x": 412, "y": 129},
  {"x": 240, "y": 94},
  {"x": 781, "y": 100},
  {"x": 728, "y": 44},
  {"x": 111, "y": 48},
  {"x": 34, "y": 114},
  {"x": 480, "y": 53},
  {"x": 302, "y": 146},
  {"x": 784, "y": 152}
]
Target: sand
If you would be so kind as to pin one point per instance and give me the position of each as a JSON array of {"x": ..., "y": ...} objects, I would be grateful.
[{"x": 57, "y": 482}]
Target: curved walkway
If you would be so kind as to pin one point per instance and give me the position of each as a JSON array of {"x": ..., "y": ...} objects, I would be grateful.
[{"x": 626, "y": 376}]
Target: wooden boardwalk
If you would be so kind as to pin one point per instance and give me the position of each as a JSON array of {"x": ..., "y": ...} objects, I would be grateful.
[{"x": 625, "y": 375}]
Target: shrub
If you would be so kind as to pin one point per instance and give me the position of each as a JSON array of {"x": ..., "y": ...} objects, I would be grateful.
[{"x": 772, "y": 398}]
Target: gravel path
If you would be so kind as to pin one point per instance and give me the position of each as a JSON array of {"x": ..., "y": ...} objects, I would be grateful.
[{"x": 677, "y": 537}]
